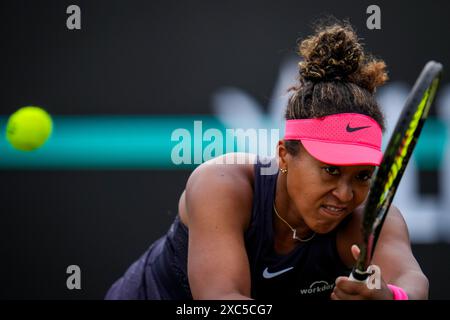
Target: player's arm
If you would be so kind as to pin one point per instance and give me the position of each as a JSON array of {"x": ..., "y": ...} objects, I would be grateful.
[
  {"x": 394, "y": 257},
  {"x": 218, "y": 203}
]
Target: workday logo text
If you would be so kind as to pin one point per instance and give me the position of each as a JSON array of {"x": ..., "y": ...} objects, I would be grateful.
[{"x": 317, "y": 287}]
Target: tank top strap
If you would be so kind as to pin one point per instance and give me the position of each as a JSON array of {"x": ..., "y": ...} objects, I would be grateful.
[{"x": 258, "y": 232}]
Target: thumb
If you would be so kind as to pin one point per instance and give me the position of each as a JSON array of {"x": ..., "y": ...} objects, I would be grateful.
[{"x": 355, "y": 251}]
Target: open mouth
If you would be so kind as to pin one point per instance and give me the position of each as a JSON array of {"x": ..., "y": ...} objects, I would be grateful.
[{"x": 333, "y": 210}]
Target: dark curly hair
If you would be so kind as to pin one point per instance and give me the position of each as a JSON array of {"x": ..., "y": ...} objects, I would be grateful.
[{"x": 335, "y": 76}]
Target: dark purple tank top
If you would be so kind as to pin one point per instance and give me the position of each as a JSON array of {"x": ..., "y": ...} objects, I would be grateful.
[{"x": 308, "y": 271}]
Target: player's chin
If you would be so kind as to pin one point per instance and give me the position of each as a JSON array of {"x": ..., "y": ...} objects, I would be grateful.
[
  {"x": 323, "y": 227},
  {"x": 328, "y": 222}
]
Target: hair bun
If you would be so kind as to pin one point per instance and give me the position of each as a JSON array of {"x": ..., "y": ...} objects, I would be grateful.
[{"x": 334, "y": 53}]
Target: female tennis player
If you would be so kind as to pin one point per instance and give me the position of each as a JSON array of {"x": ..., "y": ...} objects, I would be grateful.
[{"x": 244, "y": 234}]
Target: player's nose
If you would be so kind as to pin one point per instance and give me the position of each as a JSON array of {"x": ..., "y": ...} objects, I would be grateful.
[{"x": 343, "y": 192}]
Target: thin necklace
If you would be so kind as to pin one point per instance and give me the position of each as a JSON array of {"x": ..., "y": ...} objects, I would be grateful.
[{"x": 294, "y": 231}]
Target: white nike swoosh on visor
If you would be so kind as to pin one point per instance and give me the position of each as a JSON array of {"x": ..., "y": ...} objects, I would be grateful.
[{"x": 268, "y": 275}]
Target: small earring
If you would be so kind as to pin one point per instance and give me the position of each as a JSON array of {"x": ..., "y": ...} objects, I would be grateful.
[{"x": 283, "y": 170}]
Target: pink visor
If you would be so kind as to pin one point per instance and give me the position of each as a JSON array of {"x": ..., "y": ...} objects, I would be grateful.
[{"x": 341, "y": 139}]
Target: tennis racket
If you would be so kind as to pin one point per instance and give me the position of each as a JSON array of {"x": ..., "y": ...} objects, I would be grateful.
[{"x": 395, "y": 160}]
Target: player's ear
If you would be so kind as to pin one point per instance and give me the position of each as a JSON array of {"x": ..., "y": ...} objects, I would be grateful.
[{"x": 282, "y": 154}]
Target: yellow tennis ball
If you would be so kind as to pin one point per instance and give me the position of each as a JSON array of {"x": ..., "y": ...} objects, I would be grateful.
[{"x": 28, "y": 128}]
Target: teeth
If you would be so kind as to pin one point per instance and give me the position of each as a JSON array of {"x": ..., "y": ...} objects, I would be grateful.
[{"x": 334, "y": 209}]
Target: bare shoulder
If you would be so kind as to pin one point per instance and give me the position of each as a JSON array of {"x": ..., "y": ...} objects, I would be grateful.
[
  {"x": 220, "y": 183},
  {"x": 216, "y": 206},
  {"x": 351, "y": 233}
]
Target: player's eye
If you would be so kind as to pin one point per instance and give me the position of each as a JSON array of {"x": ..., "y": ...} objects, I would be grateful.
[
  {"x": 364, "y": 176},
  {"x": 332, "y": 170}
]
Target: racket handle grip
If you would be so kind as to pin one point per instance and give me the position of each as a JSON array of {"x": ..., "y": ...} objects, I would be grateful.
[{"x": 358, "y": 276}]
